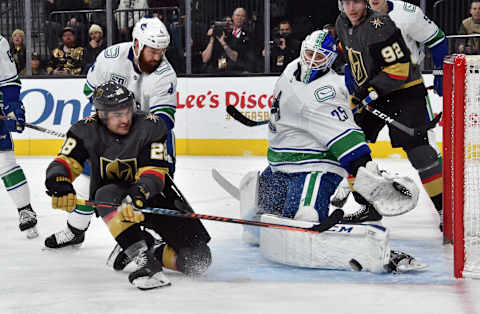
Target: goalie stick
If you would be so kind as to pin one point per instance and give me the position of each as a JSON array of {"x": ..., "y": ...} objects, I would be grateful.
[
  {"x": 39, "y": 128},
  {"x": 325, "y": 225},
  {"x": 226, "y": 185}
]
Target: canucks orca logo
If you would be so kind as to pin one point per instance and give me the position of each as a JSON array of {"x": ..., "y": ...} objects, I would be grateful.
[
  {"x": 358, "y": 68},
  {"x": 118, "y": 169},
  {"x": 143, "y": 26}
]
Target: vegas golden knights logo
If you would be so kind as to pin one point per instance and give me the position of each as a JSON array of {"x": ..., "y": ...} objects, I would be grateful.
[
  {"x": 358, "y": 68},
  {"x": 118, "y": 169}
]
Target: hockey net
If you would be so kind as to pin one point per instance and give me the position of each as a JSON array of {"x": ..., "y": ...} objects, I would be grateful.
[{"x": 461, "y": 154}]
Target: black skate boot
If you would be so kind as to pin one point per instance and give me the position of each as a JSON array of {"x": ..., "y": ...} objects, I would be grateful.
[
  {"x": 150, "y": 274},
  {"x": 119, "y": 260},
  {"x": 401, "y": 262},
  {"x": 70, "y": 236},
  {"x": 366, "y": 213},
  {"x": 27, "y": 221}
]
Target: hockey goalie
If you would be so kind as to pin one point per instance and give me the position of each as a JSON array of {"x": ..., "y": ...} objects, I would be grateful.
[{"x": 313, "y": 144}]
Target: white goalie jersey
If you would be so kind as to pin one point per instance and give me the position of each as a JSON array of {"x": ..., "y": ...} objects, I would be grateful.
[
  {"x": 417, "y": 29},
  {"x": 155, "y": 92},
  {"x": 311, "y": 127}
]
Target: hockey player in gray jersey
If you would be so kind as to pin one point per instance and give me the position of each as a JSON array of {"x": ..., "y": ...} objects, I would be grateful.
[
  {"x": 129, "y": 166},
  {"x": 380, "y": 61},
  {"x": 313, "y": 142}
]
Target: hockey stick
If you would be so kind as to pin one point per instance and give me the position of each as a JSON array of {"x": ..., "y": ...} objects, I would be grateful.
[
  {"x": 418, "y": 131},
  {"x": 226, "y": 185},
  {"x": 39, "y": 128},
  {"x": 325, "y": 225},
  {"x": 237, "y": 115}
]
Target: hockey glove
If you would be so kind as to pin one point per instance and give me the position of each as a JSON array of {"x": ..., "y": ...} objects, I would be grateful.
[
  {"x": 15, "y": 113},
  {"x": 63, "y": 195},
  {"x": 127, "y": 211},
  {"x": 139, "y": 195},
  {"x": 364, "y": 94},
  {"x": 438, "y": 81}
]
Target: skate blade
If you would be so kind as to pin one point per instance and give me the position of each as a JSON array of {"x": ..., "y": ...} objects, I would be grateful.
[
  {"x": 410, "y": 268},
  {"x": 113, "y": 255},
  {"x": 156, "y": 281},
  {"x": 63, "y": 248},
  {"x": 31, "y": 233}
]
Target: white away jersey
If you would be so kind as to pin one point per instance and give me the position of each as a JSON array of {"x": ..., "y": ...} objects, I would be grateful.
[
  {"x": 311, "y": 127},
  {"x": 8, "y": 70},
  {"x": 156, "y": 92},
  {"x": 417, "y": 29}
]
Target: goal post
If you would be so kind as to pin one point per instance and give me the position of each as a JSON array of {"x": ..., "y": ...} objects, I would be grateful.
[{"x": 461, "y": 162}]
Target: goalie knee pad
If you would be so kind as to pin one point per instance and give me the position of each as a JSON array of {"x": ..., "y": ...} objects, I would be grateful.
[{"x": 332, "y": 249}]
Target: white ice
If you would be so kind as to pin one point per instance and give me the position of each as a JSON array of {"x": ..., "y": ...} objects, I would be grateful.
[{"x": 240, "y": 280}]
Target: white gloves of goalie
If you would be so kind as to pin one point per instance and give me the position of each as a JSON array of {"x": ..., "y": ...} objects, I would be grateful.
[{"x": 391, "y": 195}]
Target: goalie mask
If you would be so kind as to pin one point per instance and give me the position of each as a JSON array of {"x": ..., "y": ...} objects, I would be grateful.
[
  {"x": 317, "y": 54},
  {"x": 150, "y": 32}
]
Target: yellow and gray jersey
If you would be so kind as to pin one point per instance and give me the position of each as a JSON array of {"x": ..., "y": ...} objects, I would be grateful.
[
  {"x": 156, "y": 92},
  {"x": 417, "y": 29},
  {"x": 311, "y": 127},
  {"x": 377, "y": 53}
]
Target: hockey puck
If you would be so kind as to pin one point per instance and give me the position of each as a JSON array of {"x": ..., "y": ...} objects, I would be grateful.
[{"x": 355, "y": 265}]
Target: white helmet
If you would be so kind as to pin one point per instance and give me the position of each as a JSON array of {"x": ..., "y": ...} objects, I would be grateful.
[
  {"x": 317, "y": 54},
  {"x": 150, "y": 32}
]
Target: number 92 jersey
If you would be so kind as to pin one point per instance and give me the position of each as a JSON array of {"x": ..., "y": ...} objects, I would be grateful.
[
  {"x": 311, "y": 127},
  {"x": 377, "y": 53}
]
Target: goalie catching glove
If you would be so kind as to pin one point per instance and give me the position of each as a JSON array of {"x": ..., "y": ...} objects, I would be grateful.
[
  {"x": 391, "y": 195},
  {"x": 61, "y": 190}
]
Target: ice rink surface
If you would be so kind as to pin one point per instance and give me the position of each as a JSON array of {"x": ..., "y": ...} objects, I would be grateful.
[{"x": 240, "y": 280}]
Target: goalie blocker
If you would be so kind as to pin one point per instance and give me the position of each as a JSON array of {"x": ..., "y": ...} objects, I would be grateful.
[{"x": 345, "y": 246}]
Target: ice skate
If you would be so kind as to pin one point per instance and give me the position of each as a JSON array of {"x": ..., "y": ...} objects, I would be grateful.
[
  {"x": 28, "y": 222},
  {"x": 70, "y": 236},
  {"x": 365, "y": 214},
  {"x": 150, "y": 274},
  {"x": 401, "y": 262}
]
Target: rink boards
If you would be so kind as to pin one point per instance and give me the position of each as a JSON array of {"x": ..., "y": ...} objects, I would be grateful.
[{"x": 202, "y": 125}]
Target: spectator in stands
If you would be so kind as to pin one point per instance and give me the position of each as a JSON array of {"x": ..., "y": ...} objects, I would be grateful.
[
  {"x": 171, "y": 18},
  {"x": 126, "y": 19},
  {"x": 229, "y": 48},
  {"x": 284, "y": 47},
  {"x": 68, "y": 58},
  {"x": 94, "y": 46},
  {"x": 17, "y": 50},
  {"x": 469, "y": 26},
  {"x": 37, "y": 68},
  {"x": 80, "y": 30}
]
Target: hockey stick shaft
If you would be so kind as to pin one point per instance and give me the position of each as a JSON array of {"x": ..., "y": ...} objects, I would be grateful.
[
  {"x": 325, "y": 225},
  {"x": 237, "y": 115},
  {"x": 39, "y": 128}
]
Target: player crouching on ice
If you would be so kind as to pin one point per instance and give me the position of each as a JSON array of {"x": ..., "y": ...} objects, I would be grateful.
[
  {"x": 129, "y": 166},
  {"x": 314, "y": 143}
]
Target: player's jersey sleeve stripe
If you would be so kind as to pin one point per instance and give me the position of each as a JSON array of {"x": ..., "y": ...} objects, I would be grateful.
[
  {"x": 398, "y": 71},
  {"x": 73, "y": 167},
  {"x": 352, "y": 139},
  {"x": 13, "y": 80},
  {"x": 435, "y": 39},
  {"x": 156, "y": 171}
]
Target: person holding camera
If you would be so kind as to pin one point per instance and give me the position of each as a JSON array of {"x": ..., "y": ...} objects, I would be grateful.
[
  {"x": 284, "y": 48},
  {"x": 228, "y": 45}
]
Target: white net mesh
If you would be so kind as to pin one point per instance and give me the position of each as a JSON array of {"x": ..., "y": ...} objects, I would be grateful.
[{"x": 472, "y": 168}]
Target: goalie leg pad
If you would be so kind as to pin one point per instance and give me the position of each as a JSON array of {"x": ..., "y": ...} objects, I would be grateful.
[
  {"x": 390, "y": 195},
  {"x": 249, "y": 208},
  {"x": 333, "y": 249}
]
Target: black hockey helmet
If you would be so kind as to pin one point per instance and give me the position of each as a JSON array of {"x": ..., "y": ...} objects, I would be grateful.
[{"x": 112, "y": 96}]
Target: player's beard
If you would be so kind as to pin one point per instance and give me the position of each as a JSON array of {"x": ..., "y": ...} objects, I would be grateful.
[{"x": 148, "y": 67}]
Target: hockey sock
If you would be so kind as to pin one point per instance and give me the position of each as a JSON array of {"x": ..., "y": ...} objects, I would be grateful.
[
  {"x": 433, "y": 184},
  {"x": 17, "y": 186},
  {"x": 80, "y": 217},
  {"x": 167, "y": 255}
]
